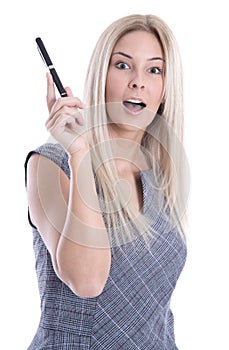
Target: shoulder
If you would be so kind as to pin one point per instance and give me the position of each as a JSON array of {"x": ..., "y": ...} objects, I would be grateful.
[
  {"x": 47, "y": 183},
  {"x": 54, "y": 152}
]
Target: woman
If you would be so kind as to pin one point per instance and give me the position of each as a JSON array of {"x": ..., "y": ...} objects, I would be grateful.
[{"x": 106, "y": 201}]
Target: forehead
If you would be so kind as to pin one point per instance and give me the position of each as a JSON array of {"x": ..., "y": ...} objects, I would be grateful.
[{"x": 139, "y": 42}]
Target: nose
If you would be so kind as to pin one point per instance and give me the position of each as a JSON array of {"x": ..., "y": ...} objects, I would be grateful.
[{"x": 137, "y": 82}]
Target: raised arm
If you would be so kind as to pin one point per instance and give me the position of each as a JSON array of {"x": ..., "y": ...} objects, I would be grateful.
[{"x": 67, "y": 213}]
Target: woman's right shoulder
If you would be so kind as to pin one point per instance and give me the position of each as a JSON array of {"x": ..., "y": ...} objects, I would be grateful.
[{"x": 52, "y": 151}]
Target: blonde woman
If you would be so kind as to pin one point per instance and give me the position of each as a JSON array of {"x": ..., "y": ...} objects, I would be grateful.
[{"x": 107, "y": 197}]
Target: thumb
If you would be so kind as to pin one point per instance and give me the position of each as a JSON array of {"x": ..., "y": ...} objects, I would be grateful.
[{"x": 69, "y": 91}]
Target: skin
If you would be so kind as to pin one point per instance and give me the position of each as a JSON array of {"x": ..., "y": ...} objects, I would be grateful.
[
  {"x": 63, "y": 219},
  {"x": 135, "y": 73}
]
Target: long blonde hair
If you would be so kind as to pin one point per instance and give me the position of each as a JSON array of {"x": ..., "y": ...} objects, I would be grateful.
[{"x": 162, "y": 139}]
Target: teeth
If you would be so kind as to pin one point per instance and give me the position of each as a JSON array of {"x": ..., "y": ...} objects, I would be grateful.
[
  {"x": 134, "y": 105},
  {"x": 134, "y": 101}
]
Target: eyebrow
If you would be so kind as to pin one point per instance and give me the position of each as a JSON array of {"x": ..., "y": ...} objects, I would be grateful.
[{"x": 130, "y": 57}]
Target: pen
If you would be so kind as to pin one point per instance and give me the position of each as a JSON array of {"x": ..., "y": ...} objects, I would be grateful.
[{"x": 45, "y": 56}]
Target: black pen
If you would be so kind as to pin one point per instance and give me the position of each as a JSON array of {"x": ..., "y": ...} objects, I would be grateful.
[{"x": 45, "y": 56}]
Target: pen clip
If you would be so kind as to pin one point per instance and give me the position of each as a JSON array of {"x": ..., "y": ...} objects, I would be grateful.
[
  {"x": 43, "y": 52},
  {"x": 42, "y": 56}
]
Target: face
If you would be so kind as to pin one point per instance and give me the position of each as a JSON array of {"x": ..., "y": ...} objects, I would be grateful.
[{"x": 135, "y": 79}]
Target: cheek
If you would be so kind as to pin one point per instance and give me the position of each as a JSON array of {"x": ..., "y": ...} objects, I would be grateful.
[
  {"x": 114, "y": 87},
  {"x": 109, "y": 87},
  {"x": 157, "y": 94}
]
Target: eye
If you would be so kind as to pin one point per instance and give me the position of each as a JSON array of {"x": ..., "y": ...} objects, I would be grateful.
[
  {"x": 122, "y": 65},
  {"x": 155, "y": 70}
]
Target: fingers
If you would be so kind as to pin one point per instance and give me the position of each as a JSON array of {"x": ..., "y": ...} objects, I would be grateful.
[
  {"x": 64, "y": 115},
  {"x": 64, "y": 110},
  {"x": 51, "y": 95},
  {"x": 69, "y": 91},
  {"x": 71, "y": 105}
]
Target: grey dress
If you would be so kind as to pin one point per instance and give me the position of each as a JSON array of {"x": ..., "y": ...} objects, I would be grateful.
[{"x": 133, "y": 311}]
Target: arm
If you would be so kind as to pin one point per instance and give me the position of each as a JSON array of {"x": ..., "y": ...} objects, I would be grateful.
[{"x": 70, "y": 221}]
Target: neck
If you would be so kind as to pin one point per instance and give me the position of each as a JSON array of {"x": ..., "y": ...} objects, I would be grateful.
[
  {"x": 130, "y": 134},
  {"x": 128, "y": 154}
]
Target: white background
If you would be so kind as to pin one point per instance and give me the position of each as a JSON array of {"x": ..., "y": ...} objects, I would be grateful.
[{"x": 70, "y": 30}]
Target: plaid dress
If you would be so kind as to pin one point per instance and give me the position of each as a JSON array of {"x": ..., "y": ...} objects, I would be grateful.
[{"x": 133, "y": 311}]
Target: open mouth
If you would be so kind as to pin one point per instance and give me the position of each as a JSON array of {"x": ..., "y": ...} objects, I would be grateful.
[{"x": 134, "y": 105}]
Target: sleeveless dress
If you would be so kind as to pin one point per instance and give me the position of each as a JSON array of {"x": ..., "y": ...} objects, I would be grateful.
[{"x": 133, "y": 311}]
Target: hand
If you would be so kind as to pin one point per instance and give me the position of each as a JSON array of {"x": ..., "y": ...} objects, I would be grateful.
[{"x": 65, "y": 122}]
